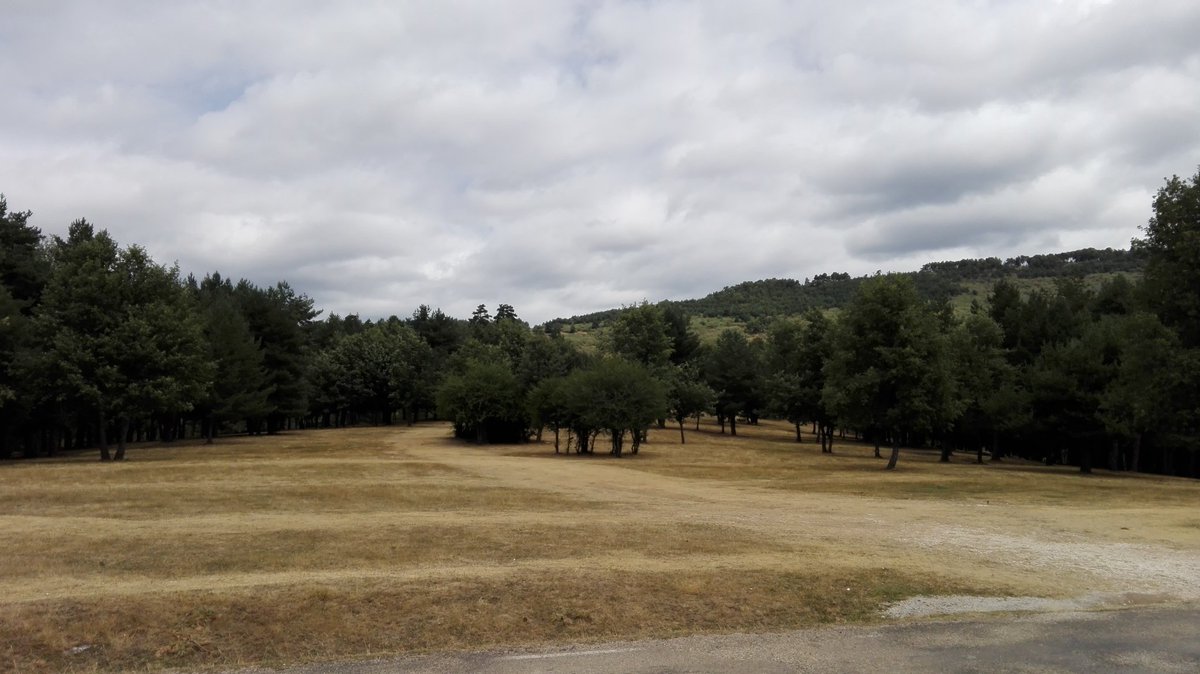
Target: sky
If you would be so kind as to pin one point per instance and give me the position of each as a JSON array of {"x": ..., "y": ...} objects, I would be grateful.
[{"x": 565, "y": 157}]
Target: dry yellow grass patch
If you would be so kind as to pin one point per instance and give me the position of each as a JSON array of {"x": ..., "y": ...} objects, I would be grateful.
[
  {"x": 768, "y": 455},
  {"x": 323, "y": 622},
  {"x": 341, "y": 544}
]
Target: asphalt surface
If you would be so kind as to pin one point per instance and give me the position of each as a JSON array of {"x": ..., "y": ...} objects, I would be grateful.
[{"x": 1144, "y": 640}]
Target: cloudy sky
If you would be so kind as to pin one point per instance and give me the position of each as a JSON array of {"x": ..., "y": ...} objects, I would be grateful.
[{"x": 571, "y": 156}]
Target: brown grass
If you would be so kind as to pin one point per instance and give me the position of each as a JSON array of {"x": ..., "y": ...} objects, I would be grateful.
[
  {"x": 767, "y": 455},
  {"x": 345, "y": 544},
  {"x": 321, "y": 622}
]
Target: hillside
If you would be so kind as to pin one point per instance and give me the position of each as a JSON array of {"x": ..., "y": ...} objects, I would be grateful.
[{"x": 752, "y": 303}]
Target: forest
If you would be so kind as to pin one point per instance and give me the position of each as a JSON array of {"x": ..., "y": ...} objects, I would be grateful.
[{"x": 101, "y": 346}]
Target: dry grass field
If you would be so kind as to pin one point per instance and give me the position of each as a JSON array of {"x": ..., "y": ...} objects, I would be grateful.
[{"x": 327, "y": 545}]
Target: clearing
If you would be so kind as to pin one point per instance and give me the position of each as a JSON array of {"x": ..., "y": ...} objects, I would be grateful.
[{"x": 328, "y": 545}]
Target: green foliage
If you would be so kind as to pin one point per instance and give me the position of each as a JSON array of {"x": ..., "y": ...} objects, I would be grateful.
[
  {"x": 1152, "y": 376},
  {"x": 382, "y": 369},
  {"x": 1067, "y": 383},
  {"x": 687, "y": 396},
  {"x": 985, "y": 383},
  {"x": 640, "y": 334},
  {"x": 684, "y": 341},
  {"x": 122, "y": 336},
  {"x": 798, "y": 352},
  {"x": 890, "y": 371},
  {"x": 280, "y": 318},
  {"x": 239, "y": 388},
  {"x": 24, "y": 269},
  {"x": 484, "y": 402},
  {"x": 1172, "y": 249},
  {"x": 617, "y": 396},
  {"x": 733, "y": 369},
  {"x": 545, "y": 357},
  {"x": 1066, "y": 353}
]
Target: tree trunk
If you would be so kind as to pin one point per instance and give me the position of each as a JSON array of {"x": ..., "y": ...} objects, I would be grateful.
[
  {"x": 122, "y": 431},
  {"x": 895, "y": 452},
  {"x": 682, "y": 440},
  {"x": 697, "y": 422},
  {"x": 798, "y": 438},
  {"x": 102, "y": 436},
  {"x": 556, "y": 439},
  {"x": 733, "y": 425}
]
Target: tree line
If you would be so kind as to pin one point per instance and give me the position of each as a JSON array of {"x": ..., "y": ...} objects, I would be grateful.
[{"x": 101, "y": 346}]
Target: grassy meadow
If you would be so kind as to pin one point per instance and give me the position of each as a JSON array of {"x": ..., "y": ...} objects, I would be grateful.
[{"x": 344, "y": 544}]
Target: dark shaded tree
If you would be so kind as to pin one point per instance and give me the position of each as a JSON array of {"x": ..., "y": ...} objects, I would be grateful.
[
  {"x": 734, "y": 370},
  {"x": 1172, "y": 249},
  {"x": 484, "y": 403},
  {"x": 889, "y": 371}
]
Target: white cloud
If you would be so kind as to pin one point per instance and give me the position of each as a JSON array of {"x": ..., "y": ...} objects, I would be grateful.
[{"x": 571, "y": 156}]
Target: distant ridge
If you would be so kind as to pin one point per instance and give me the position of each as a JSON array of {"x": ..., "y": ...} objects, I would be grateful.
[{"x": 936, "y": 280}]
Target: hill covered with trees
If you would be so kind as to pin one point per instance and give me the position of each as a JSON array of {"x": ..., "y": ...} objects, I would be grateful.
[{"x": 772, "y": 298}]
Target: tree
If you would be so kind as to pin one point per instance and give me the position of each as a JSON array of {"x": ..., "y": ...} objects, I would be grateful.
[
  {"x": 239, "y": 387},
  {"x": 615, "y": 395},
  {"x": 24, "y": 269},
  {"x": 484, "y": 403},
  {"x": 1172, "y": 247},
  {"x": 413, "y": 375},
  {"x": 798, "y": 351},
  {"x": 687, "y": 396},
  {"x": 280, "y": 320},
  {"x": 505, "y": 312},
  {"x": 1150, "y": 381},
  {"x": 1067, "y": 385},
  {"x": 384, "y": 368},
  {"x": 685, "y": 343},
  {"x": 155, "y": 357},
  {"x": 545, "y": 357},
  {"x": 122, "y": 339},
  {"x": 443, "y": 333},
  {"x": 889, "y": 370},
  {"x": 80, "y": 307},
  {"x": 983, "y": 382},
  {"x": 480, "y": 315},
  {"x": 733, "y": 370},
  {"x": 640, "y": 334}
]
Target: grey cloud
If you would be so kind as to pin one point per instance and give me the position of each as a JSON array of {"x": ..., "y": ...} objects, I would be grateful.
[{"x": 571, "y": 156}]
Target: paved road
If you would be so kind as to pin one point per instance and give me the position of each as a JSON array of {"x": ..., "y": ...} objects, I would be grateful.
[{"x": 1146, "y": 640}]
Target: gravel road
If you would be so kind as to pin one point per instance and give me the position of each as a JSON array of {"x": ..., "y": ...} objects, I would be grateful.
[{"x": 1164, "y": 639}]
